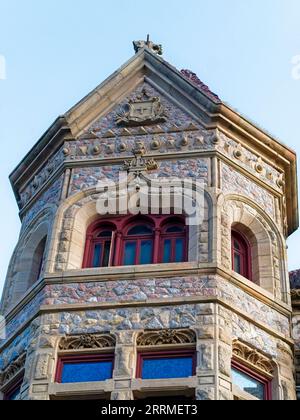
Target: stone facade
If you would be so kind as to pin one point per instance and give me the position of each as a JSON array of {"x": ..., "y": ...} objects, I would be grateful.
[{"x": 201, "y": 304}]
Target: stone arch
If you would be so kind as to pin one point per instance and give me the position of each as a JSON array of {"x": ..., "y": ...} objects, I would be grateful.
[
  {"x": 267, "y": 243},
  {"x": 79, "y": 211},
  {"x": 29, "y": 259}
]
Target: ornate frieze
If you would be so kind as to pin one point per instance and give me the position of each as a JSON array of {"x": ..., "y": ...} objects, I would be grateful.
[
  {"x": 252, "y": 357},
  {"x": 165, "y": 337},
  {"x": 13, "y": 369},
  {"x": 87, "y": 341},
  {"x": 40, "y": 179}
]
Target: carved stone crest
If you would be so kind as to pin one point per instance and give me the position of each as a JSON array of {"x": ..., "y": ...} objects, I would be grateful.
[{"x": 144, "y": 110}]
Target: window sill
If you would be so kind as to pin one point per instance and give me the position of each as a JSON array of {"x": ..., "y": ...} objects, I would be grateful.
[
  {"x": 86, "y": 389},
  {"x": 125, "y": 271},
  {"x": 153, "y": 385}
]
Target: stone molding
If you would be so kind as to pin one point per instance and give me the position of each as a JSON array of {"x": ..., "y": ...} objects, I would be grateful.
[
  {"x": 166, "y": 337},
  {"x": 252, "y": 357},
  {"x": 86, "y": 342}
]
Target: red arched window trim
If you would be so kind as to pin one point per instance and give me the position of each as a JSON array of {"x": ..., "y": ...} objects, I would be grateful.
[
  {"x": 173, "y": 242},
  {"x": 121, "y": 226},
  {"x": 241, "y": 255}
]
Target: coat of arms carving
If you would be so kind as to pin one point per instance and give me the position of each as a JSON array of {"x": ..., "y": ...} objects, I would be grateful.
[{"x": 144, "y": 110}]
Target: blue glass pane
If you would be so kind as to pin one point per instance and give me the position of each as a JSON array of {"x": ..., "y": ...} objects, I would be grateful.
[
  {"x": 146, "y": 252},
  {"x": 86, "y": 372},
  {"x": 106, "y": 254},
  {"x": 167, "y": 368},
  {"x": 179, "y": 251},
  {"x": 248, "y": 384},
  {"x": 167, "y": 251},
  {"x": 130, "y": 253},
  {"x": 237, "y": 264},
  {"x": 97, "y": 255},
  {"x": 140, "y": 230}
]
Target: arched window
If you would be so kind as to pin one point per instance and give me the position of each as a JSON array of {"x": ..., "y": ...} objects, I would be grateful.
[
  {"x": 174, "y": 243},
  {"x": 138, "y": 243},
  {"x": 99, "y": 249},
  {"x": 38, "y": 261},
  {"x": 241, "y": 255}
]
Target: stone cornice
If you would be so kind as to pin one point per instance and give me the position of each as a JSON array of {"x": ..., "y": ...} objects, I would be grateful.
[
  {"x": 154, "y": 303},
  {"x": 151, "y": 271},
  {"x": 156, "y": 271}
]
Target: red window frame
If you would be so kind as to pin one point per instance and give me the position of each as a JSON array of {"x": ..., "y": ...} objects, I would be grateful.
[
  {"x": 138, "y": 240},
  {"x": 13, "y": 388},
  {"x": 120, "y": 227},
  {"x": 244, "y": 253},
  {"x": 267, "y": 383},
  {"x": 164, "y": 355},
  {"x": 88, "y": 358},
  {"x": 173, "y": 236}
]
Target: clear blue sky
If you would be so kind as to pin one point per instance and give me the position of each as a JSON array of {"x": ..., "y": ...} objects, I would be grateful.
[{"x": 57, "y": 51}]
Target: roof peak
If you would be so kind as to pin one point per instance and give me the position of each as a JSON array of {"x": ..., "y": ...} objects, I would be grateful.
[{"x": 155, "y": 48}]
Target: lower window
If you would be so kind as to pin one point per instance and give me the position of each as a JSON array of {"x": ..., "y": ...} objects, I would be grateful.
[
  {"x": 166, "y": 365},
  {"x": 76, "y": 369},
  {"x": 251, "y": 383}
]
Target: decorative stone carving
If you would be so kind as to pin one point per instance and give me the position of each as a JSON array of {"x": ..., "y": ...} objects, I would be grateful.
[
  {"x": 42, "y": 367},
  {"x": 13, "y": 369},
  {"x": 139, "y": 163},
  {"x": 88, "y": 341},
  {"x": 156, "y": 338},
  {"x": 156, "y": 48},
  {"x": 252, "y": 357},
  {"x": 144, "y": 110}
]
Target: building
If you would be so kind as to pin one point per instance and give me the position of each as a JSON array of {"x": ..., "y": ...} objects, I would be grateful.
[
  {"x": 132, "y": 305},
  {"x": 295, "y": 286}
]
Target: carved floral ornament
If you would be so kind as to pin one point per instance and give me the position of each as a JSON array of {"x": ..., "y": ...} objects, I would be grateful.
[
  {"x": 166, "y": 337},
  {"x": 87, "y": 342},
  {"x": 253, "y": 358},
  {"x": 13, "y": 369}
]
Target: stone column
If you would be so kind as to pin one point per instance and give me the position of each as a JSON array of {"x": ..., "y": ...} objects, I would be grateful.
[
  {"x": 125, "y": 363},
  {"x": 40, "y": 364},
  {"x": 224, "y": 348},
  {"x": 206, "y": 353}
]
